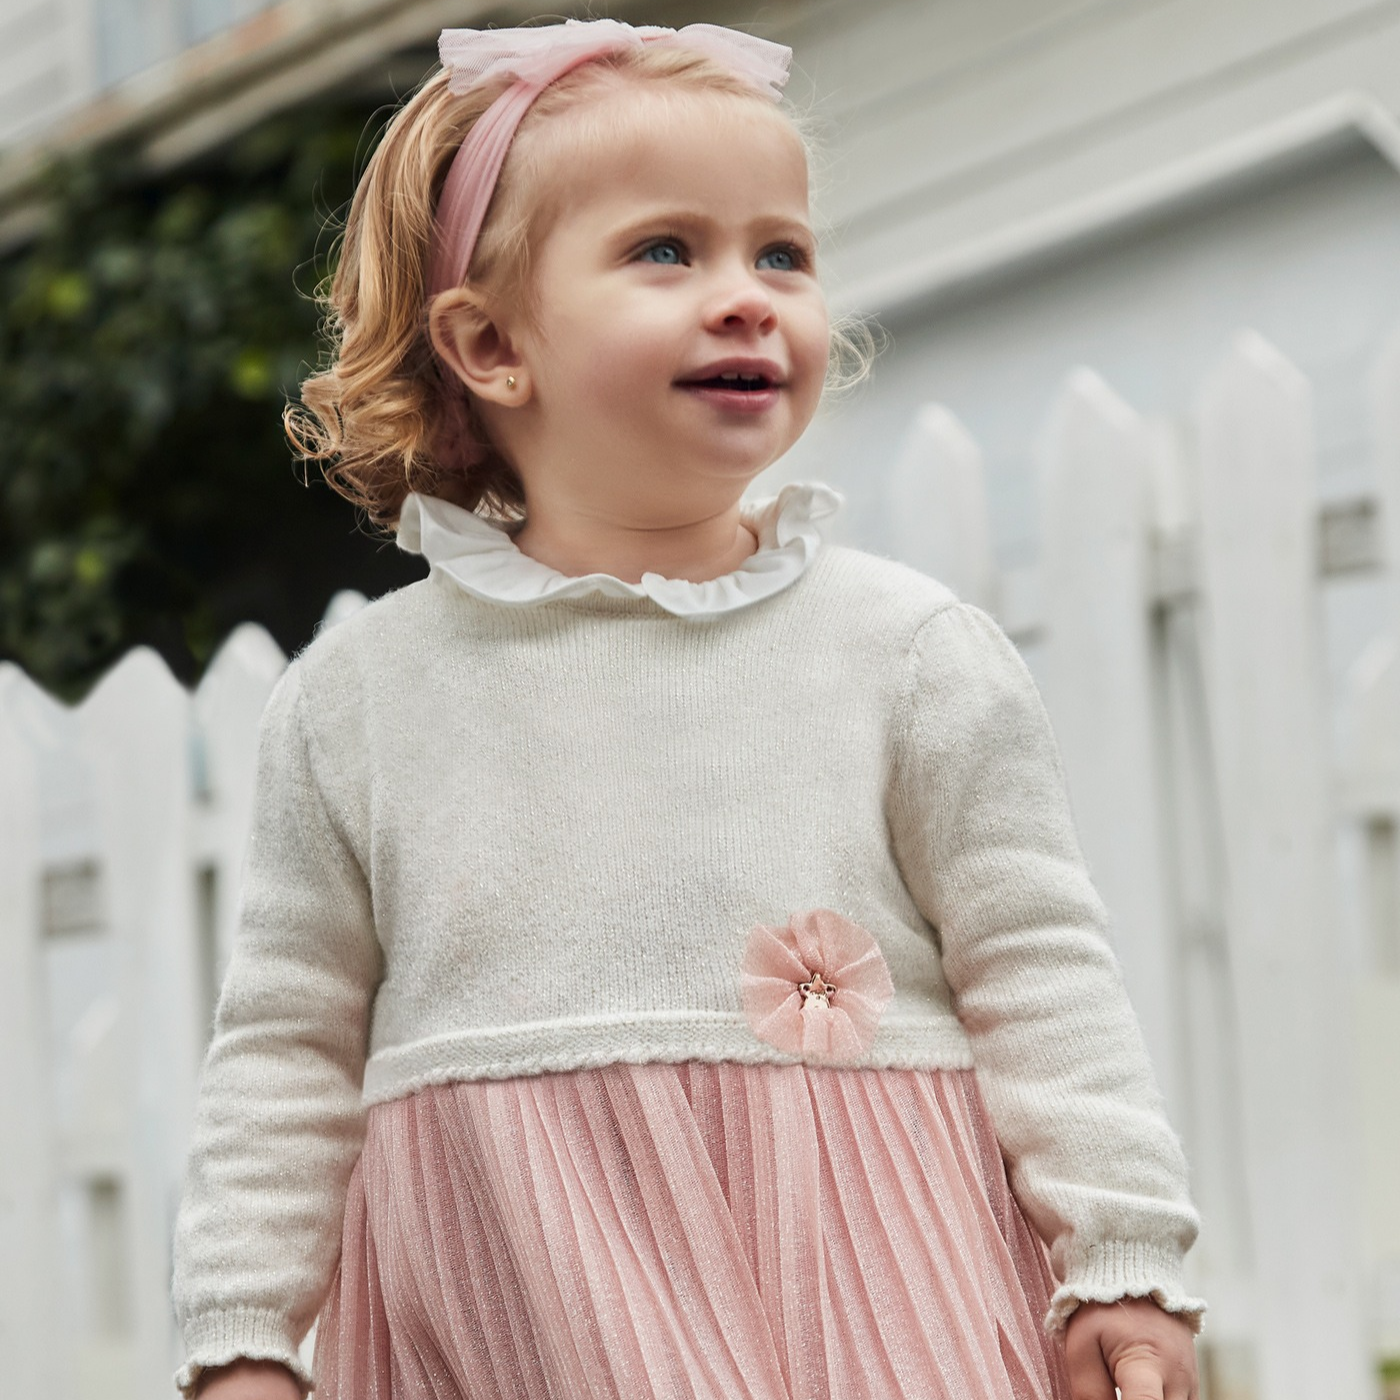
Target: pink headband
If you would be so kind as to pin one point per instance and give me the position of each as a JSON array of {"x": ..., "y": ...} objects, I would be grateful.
[{"x": 535, "y": 58}]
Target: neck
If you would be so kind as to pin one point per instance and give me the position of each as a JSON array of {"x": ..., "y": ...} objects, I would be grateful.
[{"x": 576, "y": 544}]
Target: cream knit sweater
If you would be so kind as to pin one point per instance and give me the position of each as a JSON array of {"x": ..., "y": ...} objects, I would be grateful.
[{"x": 496, "y": 840}]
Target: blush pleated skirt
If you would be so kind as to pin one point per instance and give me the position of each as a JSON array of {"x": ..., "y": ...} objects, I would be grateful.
[{"x": 688, "y": 1232}]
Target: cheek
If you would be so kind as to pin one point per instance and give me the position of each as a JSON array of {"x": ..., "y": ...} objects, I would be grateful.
[
  {"x": 607, "y": 356},
  {"x": 811, "y": 339}
]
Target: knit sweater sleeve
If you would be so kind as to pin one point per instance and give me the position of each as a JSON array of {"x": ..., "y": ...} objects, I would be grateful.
[
  {"x": 984, "y": 836},
  {"x": 279, "y": 1122}
]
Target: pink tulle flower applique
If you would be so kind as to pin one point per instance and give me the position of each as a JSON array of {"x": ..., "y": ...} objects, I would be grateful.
[{"x": 816, "y": 987}]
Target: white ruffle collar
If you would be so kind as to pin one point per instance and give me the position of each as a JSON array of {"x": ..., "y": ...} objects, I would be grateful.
[{"x": 483, "y": 559}]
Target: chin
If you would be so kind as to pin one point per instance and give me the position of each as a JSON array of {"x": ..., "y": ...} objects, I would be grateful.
[
  {"x": 734, "y": 469},
  {"x": 750, "y": 456}
]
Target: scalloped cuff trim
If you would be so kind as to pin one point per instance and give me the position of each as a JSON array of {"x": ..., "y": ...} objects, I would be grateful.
[
  {"x": 1109, "y": 1272},
  {"x": 252, "y": 1334}
]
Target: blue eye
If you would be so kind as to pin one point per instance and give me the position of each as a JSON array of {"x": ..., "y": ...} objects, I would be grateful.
[
  {"x": 667, "y": 252},
  {"x": 788, "y": 259}
]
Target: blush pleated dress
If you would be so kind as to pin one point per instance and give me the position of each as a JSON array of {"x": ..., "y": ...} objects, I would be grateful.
[
  {"x": 683, "y": 1231},
  {"x": 691, "y": 1231}
]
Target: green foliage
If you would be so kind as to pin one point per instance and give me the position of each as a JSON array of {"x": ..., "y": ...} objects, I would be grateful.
[{"x": 151, "y": 335}]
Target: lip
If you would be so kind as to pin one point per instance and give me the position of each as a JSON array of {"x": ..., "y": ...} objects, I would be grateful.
[{"x": 735, "y": 400}]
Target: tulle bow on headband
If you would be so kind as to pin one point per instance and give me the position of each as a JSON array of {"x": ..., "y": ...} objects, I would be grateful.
[
  {"x": 541, "y": 54},
  {"x": 534, "y": 58}
]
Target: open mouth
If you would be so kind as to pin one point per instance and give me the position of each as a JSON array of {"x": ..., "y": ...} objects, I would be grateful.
[{"x": 748, "y": 383}]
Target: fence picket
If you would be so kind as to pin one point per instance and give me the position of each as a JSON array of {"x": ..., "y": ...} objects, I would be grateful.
[
  {"x": 938, "y": 509},
  {"x": 1371, "y": 778},
  {"x": 136, "y": 723},
  {"x": 1099, "y": 683},
  {"x": 227, "y": 706},
  {"x": 31, "y": 1349},
  {"x": 1384, "y": 396},
  {"x": 1259, "y": 570}
]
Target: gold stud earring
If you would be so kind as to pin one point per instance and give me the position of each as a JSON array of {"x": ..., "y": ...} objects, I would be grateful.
[{"x": 510, "y": 381}]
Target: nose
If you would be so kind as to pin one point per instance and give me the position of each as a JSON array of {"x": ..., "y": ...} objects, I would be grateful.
[{"x": 740, "y": 302}]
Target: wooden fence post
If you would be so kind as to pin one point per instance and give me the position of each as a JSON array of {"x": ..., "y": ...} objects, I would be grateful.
[
  {"x": 1370, "y": 782},
  {"x": 1264, "y": 671},
  {"x": 228, "y": 703},
  {"x": 1371, "y": 800},
  {"x": 1099, "y": 686},
  {"x": 1373, "y": 776},
  {"x": 136, "y": 724},
  {"x": 938, "y": 507},
  {"x": 31, "y": 1347},
  {"x": 1385, "y": 418}
]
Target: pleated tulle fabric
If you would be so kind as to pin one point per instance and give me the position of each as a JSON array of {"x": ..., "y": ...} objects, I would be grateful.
[{"x": 695, "y": 1230}]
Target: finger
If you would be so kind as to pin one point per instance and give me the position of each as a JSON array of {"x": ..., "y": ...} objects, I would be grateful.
[
  {"x": 1089, "y": 1376},
  {"x": 1140, "y": 1378},
  {"x": 1181, "y": 1386}
]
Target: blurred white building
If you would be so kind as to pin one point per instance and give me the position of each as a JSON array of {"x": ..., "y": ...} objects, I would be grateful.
[{"x": 1015, "y": 188}]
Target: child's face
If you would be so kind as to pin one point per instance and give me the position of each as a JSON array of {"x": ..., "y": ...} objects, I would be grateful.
[{"x": 684, "y": 250}]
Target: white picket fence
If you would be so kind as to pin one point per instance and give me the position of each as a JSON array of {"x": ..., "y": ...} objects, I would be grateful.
[
  {"x": 122, "y": 825},
  {"x": 1174, "y": 622}
]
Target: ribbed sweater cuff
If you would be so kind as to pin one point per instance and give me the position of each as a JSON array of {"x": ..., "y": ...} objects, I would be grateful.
[
  {"x": 1118, "y": 1269},
  {"x": 214, "y": 1339}
]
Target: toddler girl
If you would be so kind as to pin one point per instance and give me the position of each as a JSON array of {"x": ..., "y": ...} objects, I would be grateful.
[{"x": 665, "y": 967}]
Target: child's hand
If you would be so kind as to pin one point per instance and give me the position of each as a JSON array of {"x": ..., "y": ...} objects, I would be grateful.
[
  {"x": 248, "y": 1380},
  {"x": 1147, "y": 1353}
]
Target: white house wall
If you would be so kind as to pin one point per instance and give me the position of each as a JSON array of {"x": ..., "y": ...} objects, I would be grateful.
[
  {"x": 45, "y": 64},
  {"x": 955, "y": 120}
]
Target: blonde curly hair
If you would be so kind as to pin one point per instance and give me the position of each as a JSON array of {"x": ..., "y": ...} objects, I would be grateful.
[{"x": 385, "y": 417}]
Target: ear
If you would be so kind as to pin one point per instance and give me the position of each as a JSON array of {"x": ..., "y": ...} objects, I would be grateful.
[{"x": 478, "y": 349}]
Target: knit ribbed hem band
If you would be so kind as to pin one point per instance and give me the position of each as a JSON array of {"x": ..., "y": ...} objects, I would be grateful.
[
  {"x": 215, "y": 1339},
  {"x": 1125, "y": 1269},
  {"x": 667, "y": 1037}
]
